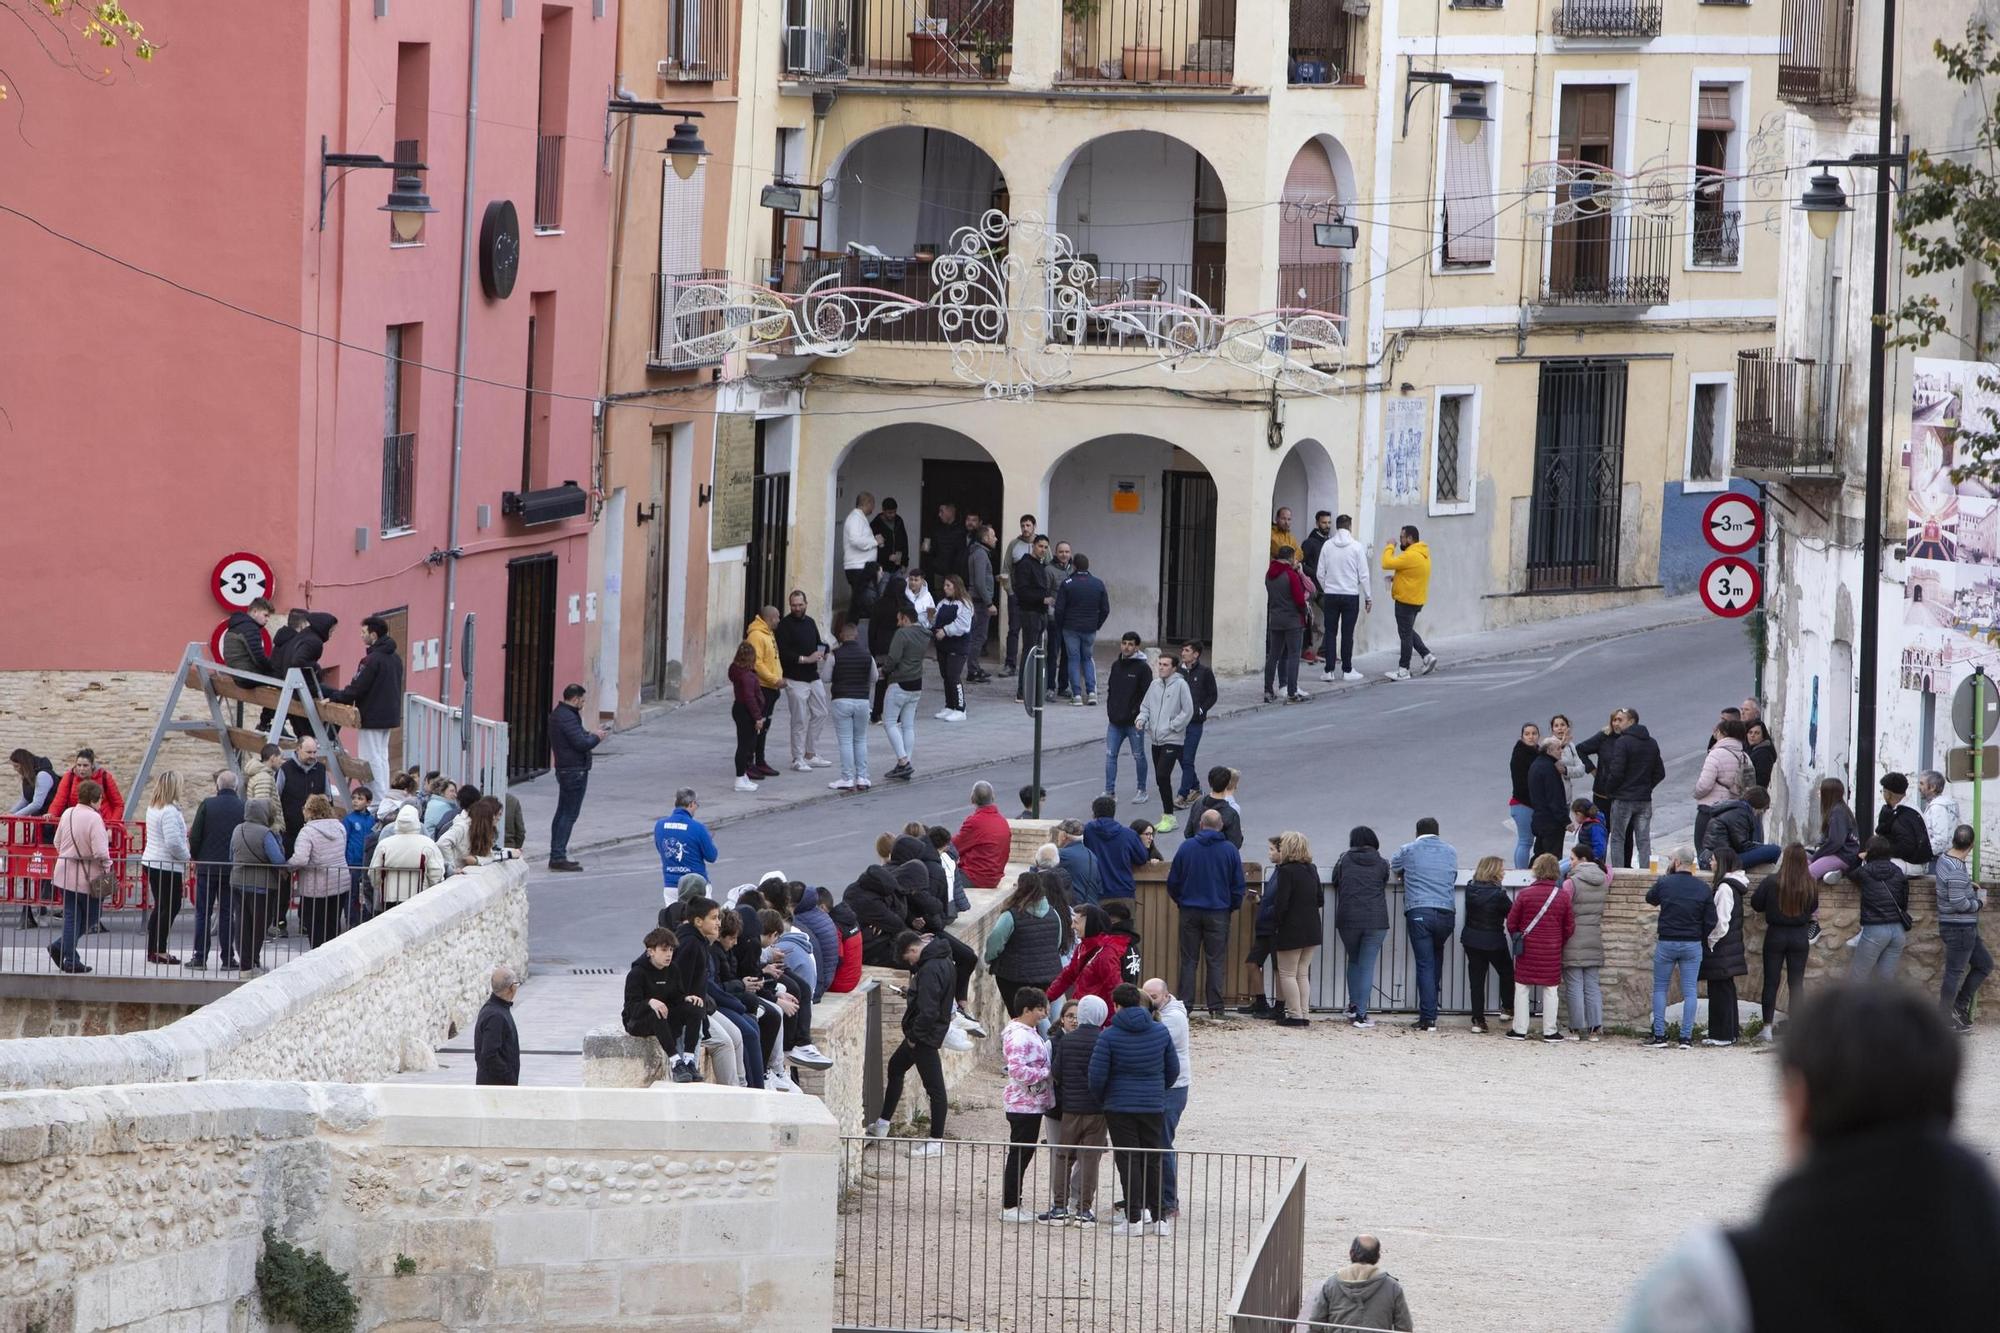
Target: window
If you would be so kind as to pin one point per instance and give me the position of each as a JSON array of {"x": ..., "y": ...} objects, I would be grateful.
[
  {"x": 535, "y": 401},
  {"x": 680, "y": 262},
  {"x": 1711, "y": 414},
  {"x": 1455, "y": 450},
  {"x": 413, "y": 108},
  {"x": 698, "y": 40},
  {"x": 551, "y": 120},
  {"x": 1716, "y": 213},
  {"x": 1466, "y": 224},
  {"x": 402, "y": 354}
]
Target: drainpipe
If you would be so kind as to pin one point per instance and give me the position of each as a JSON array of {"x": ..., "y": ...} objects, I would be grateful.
[{"x": 451, "y": 553}]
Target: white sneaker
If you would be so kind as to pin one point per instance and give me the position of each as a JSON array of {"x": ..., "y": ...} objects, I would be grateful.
[
  {"x": 1124, "y": 1228},
  {"x": 1352, "y": 675},
  {"x": 927, "y": 1148},
  {"x": 878, "y": 1130},
  {"x": 956, "y": 1040},
  {"x": 818, "y": 762},
  {"x": 961, "y": 1019},
  {"x": 1163, "y": 1228},
  {"x": 1141, "y": 798},
  {"x": 809, "y": 1057},
  {"x": 841, "y": 784},
  {"x": 952, "y": 715},
  {"x": 1397, "y": 674},
  {"x": 745, "y": 784},
  {"x": 1328, "y": 676},
  {"x": 802, "y": 767},
  {"x": 1016, "y": 1215},
  {"x": 1430, "y": 664},
  {"x": 776, "y": 1082}
]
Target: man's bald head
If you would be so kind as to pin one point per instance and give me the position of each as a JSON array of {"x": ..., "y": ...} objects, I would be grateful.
[
  {"x": 1365, "y": 1250},
  {"x": 1212, "y": 819},
  {"x": 1157, "y": 992}
]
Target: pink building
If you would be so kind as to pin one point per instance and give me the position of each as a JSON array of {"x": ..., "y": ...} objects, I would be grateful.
[{"x": 297, "y": 400}]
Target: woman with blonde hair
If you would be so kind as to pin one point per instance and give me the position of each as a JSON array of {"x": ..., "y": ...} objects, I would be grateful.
[
  {"x": 165, "y": 860},
  {"x": 1295, "y": 926}
]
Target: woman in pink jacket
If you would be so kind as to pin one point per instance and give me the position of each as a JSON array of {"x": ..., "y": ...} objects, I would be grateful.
[
  {"x": 1030, "y": 1095},
  {"x": 1544, "y": 914},
  {"x": 321, "y": 858},
  {"x": 83, "y": 852}
]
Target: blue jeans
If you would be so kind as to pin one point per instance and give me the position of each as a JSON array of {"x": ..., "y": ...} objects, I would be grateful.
[
  {"x": 899, "y": 719},
  {"x": 76, "y": 919},
  {"x": 1524, "y": 834},
  {"x": 1189, "y": 782},
  {"x": 570, "y": 784},
  {"x": 1668, "y": 955},
  {"x": 1169, "y": 1192},
  {"x": 1362, "y": 947},
  {"x": 1759, "y": 854},
  {"x": 1082, "y": 664},
  {"x": 1114, "y": 737},
  {"x": 1430, "y": 932},
  {"x": 1880, "y": 952},
  {"x": 850, "y": 732}
]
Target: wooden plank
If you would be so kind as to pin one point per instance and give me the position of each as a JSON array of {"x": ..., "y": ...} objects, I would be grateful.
[{"x": 356, "y": 770}]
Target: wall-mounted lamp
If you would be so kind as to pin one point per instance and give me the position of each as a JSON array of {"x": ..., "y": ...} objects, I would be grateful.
[
  {"x": 684, "y": 149},
  {"x": 1468, "y": 113},
  {"x": 646, "y": 513},
  {"x": 407, "y": 201}
]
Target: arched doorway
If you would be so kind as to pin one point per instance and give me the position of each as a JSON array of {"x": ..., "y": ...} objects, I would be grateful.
[
  {"x": 1306, "y": 484},
  {"x": 1144, "y": 511},
  {"x": 919, "y": 467},
  {"x": 1149, "y": 214}
]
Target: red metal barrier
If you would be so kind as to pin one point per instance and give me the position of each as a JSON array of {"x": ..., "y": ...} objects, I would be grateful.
[{"x": 28, "y": 858}]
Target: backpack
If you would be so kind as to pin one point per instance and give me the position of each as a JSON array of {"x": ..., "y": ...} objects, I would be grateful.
[{"x": 1746, "y": 772}]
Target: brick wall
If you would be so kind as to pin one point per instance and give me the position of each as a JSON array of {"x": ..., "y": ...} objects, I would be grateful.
[{"x": 52, "y": 713}]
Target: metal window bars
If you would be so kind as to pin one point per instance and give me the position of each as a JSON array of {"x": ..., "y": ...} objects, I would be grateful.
[
  {"x": 1787, "y": 415},
  {"x": 1184, "y": 42},
  {"x": 690, "y": 324},
  {"x": 1717, "y": 236},
  {"x": 698, "y": 41},
  {"x": 1325, "y": 46},
  {"x": 1445, "y": 467},
  {"x": 1606, "y": 18},
  {"x": 548, "y": 182},
  {"x": 945, "y": 40},
  {"x": 1816, "y": 45},
  {"x": 399, "y": 482}
]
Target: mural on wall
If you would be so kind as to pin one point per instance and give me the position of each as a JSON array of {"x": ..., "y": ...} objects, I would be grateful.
[{"x": 1951, "y": 593}]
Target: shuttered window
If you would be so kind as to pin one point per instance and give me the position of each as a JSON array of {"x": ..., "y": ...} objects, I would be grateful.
[{"x": 1469, "y": 205}]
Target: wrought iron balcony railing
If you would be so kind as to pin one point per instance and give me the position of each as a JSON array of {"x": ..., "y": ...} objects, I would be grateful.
[{"x": 1787, "y": 414}]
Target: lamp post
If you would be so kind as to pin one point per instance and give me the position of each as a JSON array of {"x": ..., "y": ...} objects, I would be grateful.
[
  {"x": 1823, "y": 203},
  {"x": 407, "y": 201},
  {"x": 1468, "y": 113}
]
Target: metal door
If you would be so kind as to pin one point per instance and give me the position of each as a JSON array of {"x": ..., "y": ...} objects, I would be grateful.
[
  {"x": 659, "y": 568},
  {"x": 530, "y": 649},
  {"x": 1187, "y": 558},
  {"x": 1574, "y": 516},
  {"x": 770, "y": 537}
]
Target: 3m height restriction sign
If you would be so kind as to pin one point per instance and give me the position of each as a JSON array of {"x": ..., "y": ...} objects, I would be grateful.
[
  {"x": 1732, "y": 523},
  {"x": 1730, "y": 587}
]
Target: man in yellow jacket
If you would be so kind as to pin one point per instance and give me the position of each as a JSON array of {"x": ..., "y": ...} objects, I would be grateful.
[
  {"x": 763, "y": 637},
  {"x": 1409, "y": 562}
]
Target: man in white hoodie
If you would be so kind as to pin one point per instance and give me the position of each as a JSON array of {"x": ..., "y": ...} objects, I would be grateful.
[
  {"x": 858, "y": 544},
  {"x": 1342, "y": 575},
  {"x": 398, "y": 856},
  {"x": 1940, "y": 811}
]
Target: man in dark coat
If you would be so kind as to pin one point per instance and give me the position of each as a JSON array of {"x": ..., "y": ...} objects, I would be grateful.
[
  {"x": 1036, "y": 594},
  {"x": 215, "y": 821},
  {"x": 927, "y": 1018},
  {"x": 376, "y": 691},
  {"x": 1628, "y": 768},
  {"x": 570, "y": 744},
  {"x": 243, "y": 642},
  {"x": 1548, "y": 799},
  {"x": 666, "y": 999},
  {"x": 895, "y": 548},
  {"x": 496, "y": 1043},
  {"x": 301, "y": 643},
  {"x": 302, "y": 775},
  {"x": 944, "y": 548}
]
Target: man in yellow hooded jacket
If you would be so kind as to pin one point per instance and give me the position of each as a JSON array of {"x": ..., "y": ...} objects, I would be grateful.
[
  {"x": 763, "y": 637},
  {"x": 1409, "y": 562}
]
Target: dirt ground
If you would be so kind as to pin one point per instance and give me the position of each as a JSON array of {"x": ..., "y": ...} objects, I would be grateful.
[{"x": 1514, "y": 1185}]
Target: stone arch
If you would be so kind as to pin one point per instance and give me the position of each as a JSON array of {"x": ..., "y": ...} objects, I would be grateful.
[
  {"x": 895, "y": 186},
  {"x": 1151, "y": 209},
  {"x": 1306, "y": 483},
  {"x": 918, "y": 464}
]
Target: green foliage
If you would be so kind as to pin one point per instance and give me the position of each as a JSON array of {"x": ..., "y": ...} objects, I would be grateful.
[
  {"x": 1949, "y": 222},
  {"x": 302, "y": 1289},
  {"x": 100, "y": 23},
  {"x": 405, "y": 1265}
]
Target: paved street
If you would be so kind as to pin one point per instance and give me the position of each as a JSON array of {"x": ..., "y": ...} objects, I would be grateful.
[{"x": 1379, "y": 754}]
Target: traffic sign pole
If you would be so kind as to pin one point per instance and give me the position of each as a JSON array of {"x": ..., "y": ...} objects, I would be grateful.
[
  {"x": 1979, "y": 688},
  {"x": 1034, "y": 696}
]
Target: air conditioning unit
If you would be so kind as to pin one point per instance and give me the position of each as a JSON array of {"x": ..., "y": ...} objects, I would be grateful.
[
  {"x": 552, "y": 505},
  {"x": 805, "y": 51}
]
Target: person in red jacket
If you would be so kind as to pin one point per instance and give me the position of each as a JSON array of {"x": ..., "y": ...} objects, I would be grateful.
[
  {"x": 848, "y": 975},
  {"x": 84, "y": 769},
  {"x": 1098, "y": 965},
  {"x": 1544, "y": 915},
  {"x": 982, "y": 840},
  {"x": 747, "y": 709}
]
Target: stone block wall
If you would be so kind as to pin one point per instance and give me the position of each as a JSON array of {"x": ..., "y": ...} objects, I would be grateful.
[
  {"x": 113, "y": 712},
  {"x": 143, "y": 1208},
  {"x": 374, "y": 1002},
  {"x": 24, "y": 1017}
]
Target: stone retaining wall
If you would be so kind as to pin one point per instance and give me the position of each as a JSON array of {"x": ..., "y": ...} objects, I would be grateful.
[
  {"x": 21, "y": 1016},
  {"x": 374, "y": 1002},
  {"x": 143, "y": 1208}
]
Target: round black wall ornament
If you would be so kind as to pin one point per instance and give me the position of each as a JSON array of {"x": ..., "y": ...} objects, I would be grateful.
[{"x": 499, "y": 249}]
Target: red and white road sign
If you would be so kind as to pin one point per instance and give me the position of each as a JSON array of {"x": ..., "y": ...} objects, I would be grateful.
[
  {"x": 1731, "y": 587},
  {"x": 240, "y": 579},
  {"x": 222, "y": 628},
  {"x": 1732, "y": 523}
]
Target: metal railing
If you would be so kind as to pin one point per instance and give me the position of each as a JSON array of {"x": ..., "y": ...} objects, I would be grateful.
[
  {"x": 1787, "y": 414},
  {"x": 949, "y": 40},
  {"x": 137, "y": 933},
  {"x": 1606, "y": 18},
  {"x": 1133, "y": 303},
  {"x": 1325, "y": 46},
  {"x": 921, "y": 1243},
  {"x": 688, "y": 331},
  {"x": 698, "y": 41},
  {"x": 1717, "y": 236},
  {"x": 1611, "y": 259},
  {"x": 1321, "y": 287},
  {"x": 548, "y": 182},
  {"x": 1186, "y": 42},
  {"x": 897, "y": 275},
  {"x": 1267, "y": 1293},
  {"x": 434, "y": 740},
  {"x": 399, "y": 482},
  {"x": 1816, "y": 45}
]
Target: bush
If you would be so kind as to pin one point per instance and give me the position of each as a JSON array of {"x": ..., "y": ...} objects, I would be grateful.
[{"x": 302, "y": 1289}]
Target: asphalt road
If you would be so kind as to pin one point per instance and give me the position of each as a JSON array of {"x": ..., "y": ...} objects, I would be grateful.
[{"x": 1383, "y": 755}]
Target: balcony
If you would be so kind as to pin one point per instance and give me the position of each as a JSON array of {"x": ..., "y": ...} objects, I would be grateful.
[
  {"x": 867, "y": 278},
  {"x": 697, "y": 42},
  {"x": 1787, "y": 415},
  {"x": 1611, "y": 259},
  {"x": 1325, "y": 46},
  {"x": 896, "y": 40},
  {"x": 1133, "y": 304},
  {"x": 1717, "y": 237},
  {"x": 1606, "y": 18},
  {"x": 1190, "y": 43},
  {"x": 1816, "y": 45},
  {"x": 548, "y": 182},
  {"x": 689, "y": 325},
  {"x": 399, "y": 482},
  {"x": 1318, "y": 288}
]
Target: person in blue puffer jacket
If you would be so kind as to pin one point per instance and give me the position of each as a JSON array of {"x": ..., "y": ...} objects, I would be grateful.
[{"x": 1131, "y": 1069}]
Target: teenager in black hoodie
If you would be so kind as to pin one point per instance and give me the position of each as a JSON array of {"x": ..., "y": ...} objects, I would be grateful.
[
  {"x": 666, "y": 999},
  {"x": 927, "y": 1018}
]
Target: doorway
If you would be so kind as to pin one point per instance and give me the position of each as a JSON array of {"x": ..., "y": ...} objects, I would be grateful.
[
  {"x": 530, "y": 652},
  {"x": 1187, "y": 559},
  {"x": 770, "y": 537},
  {"x": 659, "y": 569},
  {"x": 1580, "y": 260},
  {"x": 399, "y": 630},
  {"x": 972, "y": 485},
  {"x": 1574, "y": 515}
]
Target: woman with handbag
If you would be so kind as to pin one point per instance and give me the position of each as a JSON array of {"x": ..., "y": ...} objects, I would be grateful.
[
  {"x": 83, "y": 869},
  {"x": 1722, "y": 957},
  {"x": 1885, "y": 912},
  {"x": 1542, "y": 920},
  {"x": 165, "y": 859}
]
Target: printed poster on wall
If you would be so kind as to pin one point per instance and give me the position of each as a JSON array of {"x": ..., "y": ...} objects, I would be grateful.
[
  {"x": 731, "y": 504},
  {"x": 1403, "y": 450},
  {"x": 1951, "y": 594}
]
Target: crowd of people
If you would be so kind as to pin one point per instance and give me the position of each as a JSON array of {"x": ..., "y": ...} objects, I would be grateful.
[{"x": 262, "y": 850}]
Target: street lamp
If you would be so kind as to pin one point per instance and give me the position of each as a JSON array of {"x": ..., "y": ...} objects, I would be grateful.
[
  {"x": 1823, "y": 203},
  {"x": 407, "y": 201},
  {"x": 1468, "y": 114},
  {"x": 685, "y": 150}
]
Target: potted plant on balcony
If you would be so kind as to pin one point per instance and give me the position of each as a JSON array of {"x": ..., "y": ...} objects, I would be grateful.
[
  {"x": 1140, "y": 58},
  {"x": 930, "y": 49},
  {"x": 988, "y": 46}
]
